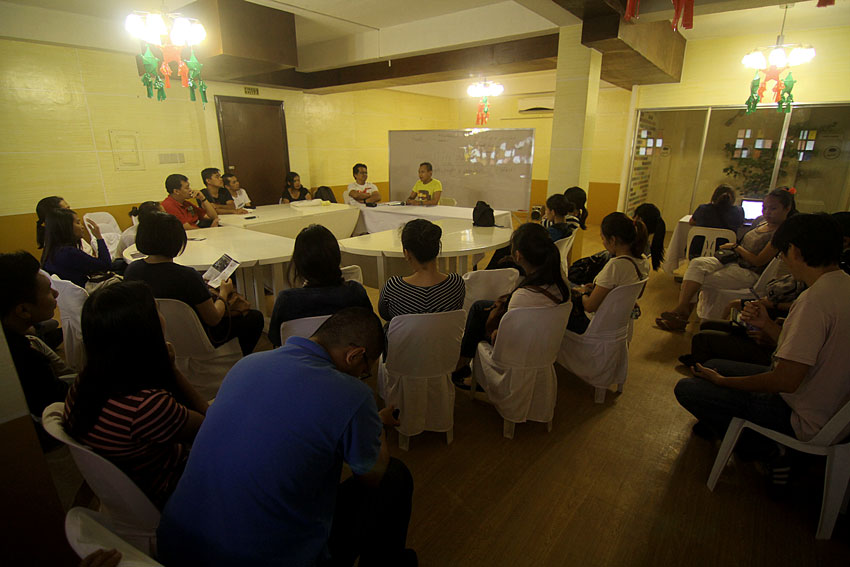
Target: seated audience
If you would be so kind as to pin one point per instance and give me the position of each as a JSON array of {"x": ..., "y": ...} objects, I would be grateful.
[
  {"x": 427, "y": 190},
  {"x": 215, "y": 193},
  {"x": 427, "y": 290},
  {"x": 63, "y": 255},
  {"x": 537, "y": 256},
  {"x": 133, "y": 408},
  {"x": 263, "y": 484},
  {"x": 625, "y": 240},
  {"x": 361, "y": 191},
  {"x": 237, "y": 193},
  {"x": 721, "y": 212},
  {"x": 293, "y": 190},
  {"x": 578, "y": 197},
  {"x": 128, "y": 237},
  {"x": 317, "y": 287},
  {"x": 325, "y": 193},
  {"x": 191, "y": 215},
  {"x": 651, "y": 217},
  {"x": 809, "y": 380},
  {"x": 162, "y": 238},
  {"x": 28, "y": 299},
  {"x": 754, "y": 252},
  {"x": 45, "y": 206},
  {"x": 561, "y": 216}
]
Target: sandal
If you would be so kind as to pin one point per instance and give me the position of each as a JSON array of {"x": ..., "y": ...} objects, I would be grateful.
[
  {"x": 669, "y": 325},
  {"x": 673, "y": 316}
]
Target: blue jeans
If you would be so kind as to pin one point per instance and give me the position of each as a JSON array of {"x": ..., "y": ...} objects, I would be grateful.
[{"x": 715, "y": 406}]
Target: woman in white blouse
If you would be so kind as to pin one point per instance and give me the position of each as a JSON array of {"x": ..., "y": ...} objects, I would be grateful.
[{"x": 625, "y": 238}]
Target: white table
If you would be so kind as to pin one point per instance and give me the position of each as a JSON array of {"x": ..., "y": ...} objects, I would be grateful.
[
  {"x": 253, "y": 250},
  {"x": 388, "y": 217},
  {"x": 460, "y": 240},
  {"x": 676, "y": 250},
  {"x": 288, "y": 220}
]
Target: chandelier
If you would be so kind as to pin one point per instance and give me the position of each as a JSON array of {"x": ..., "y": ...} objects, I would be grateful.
[
  {"x": 168, "y": 34},
  {"x": 484, "y": 90},
  {"x": 772, "y": 61}
]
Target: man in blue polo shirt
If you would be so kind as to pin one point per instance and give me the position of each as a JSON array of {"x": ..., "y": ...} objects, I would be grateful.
[{"x": 262, "y": 485}]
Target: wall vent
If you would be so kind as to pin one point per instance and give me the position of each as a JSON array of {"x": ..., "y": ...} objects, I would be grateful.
[{"x": 178, "y": 157}]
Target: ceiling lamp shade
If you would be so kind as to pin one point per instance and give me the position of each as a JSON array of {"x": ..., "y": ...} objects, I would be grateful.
[
  {"x": 159, "y": 29},
  {"x": 485, "y": 88},
  {"x": 779, "y": 55}
]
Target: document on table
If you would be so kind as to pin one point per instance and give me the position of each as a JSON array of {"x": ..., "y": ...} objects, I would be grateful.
[{"x": 220, "y": 271}]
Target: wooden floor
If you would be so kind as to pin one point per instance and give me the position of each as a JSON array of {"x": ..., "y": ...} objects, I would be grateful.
[{"x": 622, "y": 483}]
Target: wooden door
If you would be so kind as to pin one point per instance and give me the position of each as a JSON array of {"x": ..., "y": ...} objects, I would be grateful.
[{"x": 253, "y": 145}]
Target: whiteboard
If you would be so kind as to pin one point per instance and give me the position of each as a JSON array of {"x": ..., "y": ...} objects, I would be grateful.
[{"x": 492, "y": 165}]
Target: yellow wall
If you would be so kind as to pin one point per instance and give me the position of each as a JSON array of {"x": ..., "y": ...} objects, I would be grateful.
[
  {"x": 352, "y": 127},
  {"x": 713, "y": 74}
]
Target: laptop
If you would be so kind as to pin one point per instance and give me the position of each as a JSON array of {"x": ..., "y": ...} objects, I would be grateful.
[{"x": 752, "y": 210}]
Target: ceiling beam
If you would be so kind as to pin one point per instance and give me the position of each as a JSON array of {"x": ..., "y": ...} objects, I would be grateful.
[{"x": 531, "y": 54}]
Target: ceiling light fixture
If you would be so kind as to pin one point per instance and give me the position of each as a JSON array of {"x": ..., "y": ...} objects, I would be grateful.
[
  {"x": 773, "y": 61},
  {"x": 484, "y": 90}
]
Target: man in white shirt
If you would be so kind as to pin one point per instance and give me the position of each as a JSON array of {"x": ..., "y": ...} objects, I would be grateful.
[
  {"x": 239, "y": 196},
  {"x": 810, "y": 378},
  {"x": 361, "y": 192}
]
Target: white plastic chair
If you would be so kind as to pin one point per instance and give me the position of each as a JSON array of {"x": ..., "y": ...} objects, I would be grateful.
[
  {"x": 88, "y": 531},
  {"x": 827, "y": 443},
  {"x": 600, "y": 356},
  {"x": 132, "y": 515},
  {"x": 448, "y": 201},
  {"x": 713, "y": 301},
  {"x": 422, "y": 352},
  {"x": 109, "y": 229},
  {"x": 203, "y": 365},
  {"x": 352, "y": 273},
  {"x": 488, "y": 284},
  {"x": 70, "y": 300},
  {"x": 564, "y": 246},
  {"x": 518, "y": 372},
  {"x": 710, "y": 237},
  {"x": 304, "y": 327}
]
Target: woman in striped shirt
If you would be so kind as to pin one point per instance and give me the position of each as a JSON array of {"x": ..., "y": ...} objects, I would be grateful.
[
  {"x": 427, "y": 290},
  {"x": 130, "y": 403}
]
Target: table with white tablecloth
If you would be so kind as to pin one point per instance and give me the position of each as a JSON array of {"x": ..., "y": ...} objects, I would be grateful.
[
  {"x": 676, "y": 250},
  {"x": 459, "y": 241},
  {"x": 288, "y": 220},
  {"x": 389, "y": 217}
]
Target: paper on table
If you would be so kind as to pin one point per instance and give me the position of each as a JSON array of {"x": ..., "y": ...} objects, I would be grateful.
[
  {"x": 310, "y": 203},
  {"x": 390, "y": 204},
  {"x": 220, "y": 271}
]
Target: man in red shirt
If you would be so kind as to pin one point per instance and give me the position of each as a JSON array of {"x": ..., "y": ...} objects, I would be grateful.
[{"x": 200, "y": 215}]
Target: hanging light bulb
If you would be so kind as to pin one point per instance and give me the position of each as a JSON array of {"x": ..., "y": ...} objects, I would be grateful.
[
  {"x": 800, "y": 55},
  {"x": 754, "y": 60},
  {"x": 485, "y": 88},
  {"x": 135, "y": 25},
  {"x": 777, "y": 57},
  {"x": 154, "y": 29},
  {"x": 197, "y": 33},
  {"x": 181, "y": 30}
]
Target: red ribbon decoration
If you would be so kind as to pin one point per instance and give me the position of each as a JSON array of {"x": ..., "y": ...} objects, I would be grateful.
[
  {"x": 632, "y": 9},
  {"x": 825, "y": 3},
  {"x": 684, "y": 10}
]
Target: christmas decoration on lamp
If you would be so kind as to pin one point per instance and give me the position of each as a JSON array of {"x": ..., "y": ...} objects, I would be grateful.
[
  {"x": 484, "y": 90},
  {"x": 772, "y": 62},
  {"x": 169, "y": 34}
]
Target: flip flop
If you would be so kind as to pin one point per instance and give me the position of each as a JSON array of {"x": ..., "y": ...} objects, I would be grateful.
[
  {"x": 669, "y": 325},
  {"x": 673, "y": 316}
]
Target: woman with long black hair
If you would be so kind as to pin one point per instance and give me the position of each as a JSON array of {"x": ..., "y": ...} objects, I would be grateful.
[
  {"x": 655, "y": 226},
  {"x": 63, "y": 254},
  {"x": 533, "y": 250},
  {"x": 133, "y": 407},
  {"x": 578, "y": 197}
]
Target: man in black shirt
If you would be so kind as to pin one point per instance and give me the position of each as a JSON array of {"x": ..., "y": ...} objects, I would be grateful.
[
  {"x": 26, "y": 298},
  {"x": 215, "y": 192}
]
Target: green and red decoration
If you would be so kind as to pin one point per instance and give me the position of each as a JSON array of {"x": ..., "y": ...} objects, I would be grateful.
[
  {"x": 483, "y": 111},
  {"x": 782, "y": 89},
  {"x": 158, "y": 72}
]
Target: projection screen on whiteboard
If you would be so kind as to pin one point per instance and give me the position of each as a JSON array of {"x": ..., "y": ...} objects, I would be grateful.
[{"x": 479, "y": 164}]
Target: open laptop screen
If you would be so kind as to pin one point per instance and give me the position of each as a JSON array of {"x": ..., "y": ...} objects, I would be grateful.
[{"x": 752, "y": 208}]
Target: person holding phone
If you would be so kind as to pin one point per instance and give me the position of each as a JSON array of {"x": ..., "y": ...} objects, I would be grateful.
[{"x": 191, "y": 215}]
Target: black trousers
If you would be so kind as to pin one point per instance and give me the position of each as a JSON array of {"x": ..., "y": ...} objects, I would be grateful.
[
  {"x": 475, "y": 332},
  {"x": 725, "y": 341},
  {"x": 371, "y": 522},
  {"x": 246, "y": 327}
]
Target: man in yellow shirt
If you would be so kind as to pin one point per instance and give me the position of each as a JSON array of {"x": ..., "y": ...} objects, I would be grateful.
[{"x": 427, "y": 191}]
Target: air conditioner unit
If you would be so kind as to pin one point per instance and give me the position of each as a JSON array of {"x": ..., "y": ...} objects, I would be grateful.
[{"x": 536, "y": 105}]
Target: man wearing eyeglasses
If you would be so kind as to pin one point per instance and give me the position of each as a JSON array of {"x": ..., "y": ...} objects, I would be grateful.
[{"x": 262, "y": 485}]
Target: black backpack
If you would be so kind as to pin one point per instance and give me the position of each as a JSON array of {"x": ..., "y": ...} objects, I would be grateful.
[
  {"x": 325, "y": 193},
  {"x": 482, "y": 215},
  {"x": 584, "y": 270}
]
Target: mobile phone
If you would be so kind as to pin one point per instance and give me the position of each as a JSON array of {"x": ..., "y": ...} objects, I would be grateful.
[{"x": 251, "y": 217}]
